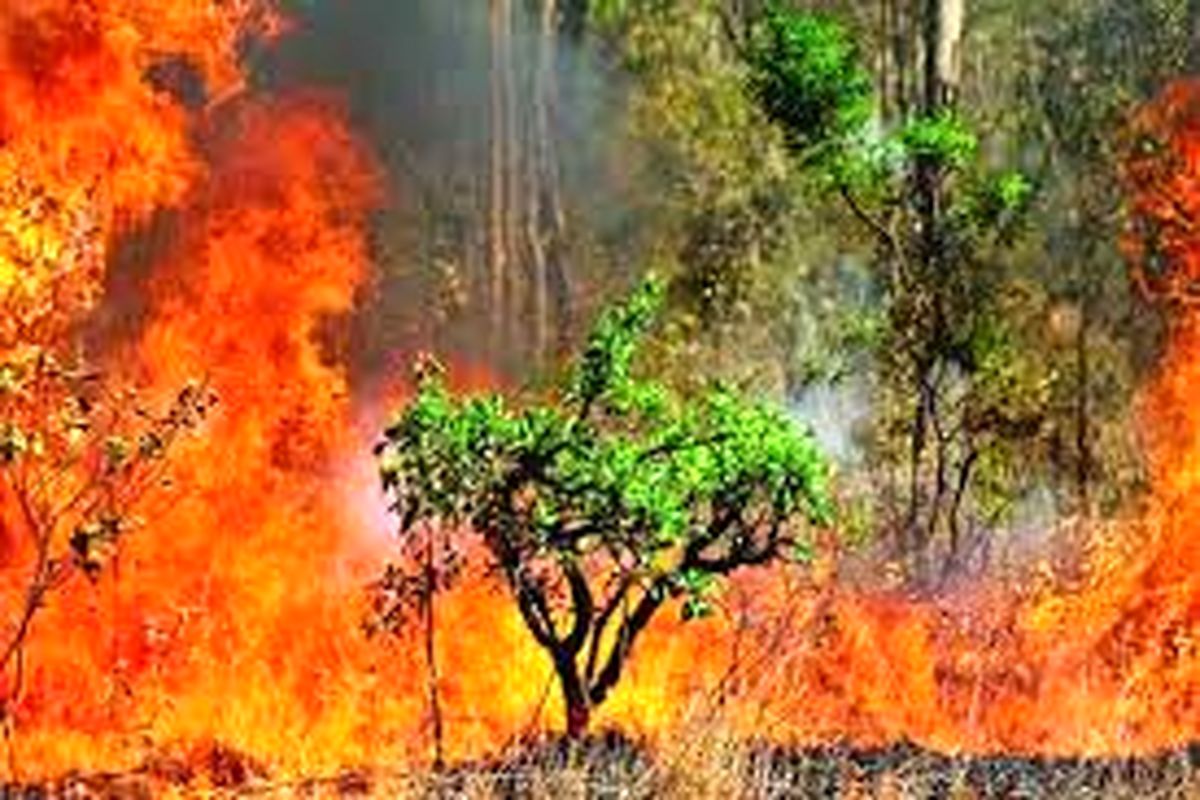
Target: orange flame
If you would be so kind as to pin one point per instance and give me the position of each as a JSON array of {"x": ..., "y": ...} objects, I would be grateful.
[
  {"x": 88, "y": 146},
  {"x": 235, "y": 616}
]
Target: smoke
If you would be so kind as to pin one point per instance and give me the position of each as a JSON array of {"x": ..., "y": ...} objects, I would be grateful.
[{"x": 416, "y": 78}]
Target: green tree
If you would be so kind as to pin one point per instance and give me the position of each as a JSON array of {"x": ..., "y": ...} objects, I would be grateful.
[
  {"x": 897, "y": 254},
  {"x": 609, "y": 496},
  {"x": 956, "y": 389},
  {"x": 719, "y": 211}
]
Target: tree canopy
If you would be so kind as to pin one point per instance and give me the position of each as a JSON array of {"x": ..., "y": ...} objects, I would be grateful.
[{"x": 606, "y": 497}]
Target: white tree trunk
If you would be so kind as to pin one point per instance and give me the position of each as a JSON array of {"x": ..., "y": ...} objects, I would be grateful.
[
  {"x": 499, "y": 176},
  {"x": 944, "y": 26}
]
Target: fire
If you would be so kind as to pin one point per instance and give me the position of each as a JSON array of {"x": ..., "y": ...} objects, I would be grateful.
[
  {"x": 89, "y": 145},
  {"x": 1108, "y": 664},
  {"x": 234, "y": 618}
]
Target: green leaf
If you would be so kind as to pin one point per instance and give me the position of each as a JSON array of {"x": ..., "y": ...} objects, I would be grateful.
[
  {"x": 943, "y": 139},
  {"x": 806, "y": 74},
  {"x": 695, "y": 608}
]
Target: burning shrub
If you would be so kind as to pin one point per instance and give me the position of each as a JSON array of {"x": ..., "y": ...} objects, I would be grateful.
[
  {"x": 602, "y": 501},
  {"x": 75, "y": 459}
]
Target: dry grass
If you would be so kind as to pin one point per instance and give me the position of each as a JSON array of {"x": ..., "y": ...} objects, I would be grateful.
[{"x": 701, "y": 763}]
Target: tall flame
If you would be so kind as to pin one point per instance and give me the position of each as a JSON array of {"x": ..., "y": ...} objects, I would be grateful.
[
  {"x": 88, "y": 145},
  {"x": 234, "y": 618}
]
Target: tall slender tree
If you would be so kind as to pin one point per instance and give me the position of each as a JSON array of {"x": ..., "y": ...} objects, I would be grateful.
[{"x": 528, "y": 290}]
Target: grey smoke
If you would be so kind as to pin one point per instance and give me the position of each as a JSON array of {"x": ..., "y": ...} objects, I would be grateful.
[{"x": 415, "y": 75}]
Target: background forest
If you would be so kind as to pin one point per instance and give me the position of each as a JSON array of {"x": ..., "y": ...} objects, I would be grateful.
[{"x": 930, "y": 272}]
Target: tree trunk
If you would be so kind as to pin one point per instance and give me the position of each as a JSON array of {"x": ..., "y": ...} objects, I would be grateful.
[
  {"x": 575, "y": 697},
  {"x": 558, "y": 275},
  {"x": 942, "y": 31},
  {"x": 904, "y": 48},
  {"x": 528, "y": 285},
  {"x": 433, "y": 679},
  {"x": 513, "y": 139},
  {"x": 542, "y": 178},
  {"x": 960, "y": 493},
  {"x": 547, "y": 223},
  {"x": 499, "y": 256},
  {"x": 909, "y": 534},
  {"x": 944, "y": 21},
  {"x": 895, "y": 58},
  {"x": 883, "y": 68},
  {"x": 579, "y": 717}
]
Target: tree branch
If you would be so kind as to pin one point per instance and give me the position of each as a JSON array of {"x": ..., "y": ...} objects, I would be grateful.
[
  {"x": 535, "y": 612},
  {"x": 743, "y": 554},
  {"x": 582, "y": 603},
  {"x": 881, "y": 231},
  {"x": 603, "y": 618},
  {"x": 631, "y": 627}
]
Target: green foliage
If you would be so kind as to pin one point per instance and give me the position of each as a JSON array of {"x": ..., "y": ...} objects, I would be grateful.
[
  {"x": 607, "y": 14},
  {"x": 949, "y": 374},
  {"x": 1008, "y": 308},
  {"x": 614, "y": 486},
  {"x": 722, "y": 207},
  {"x": 805, "y": 73},
  {"x": 608, "y": 359},
  {"x": 942, "y": 139},
  {"x": 1010, "y": 192},
  {"x": 868, "y": 165},
  {"x": 996, "y": 206},
  {"x": 636, "y": 466}
]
